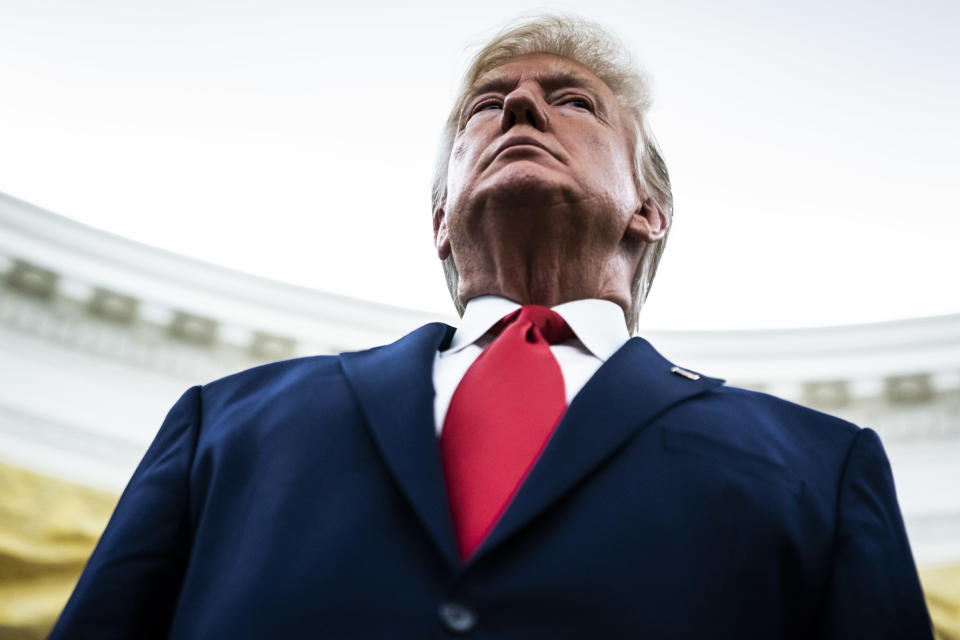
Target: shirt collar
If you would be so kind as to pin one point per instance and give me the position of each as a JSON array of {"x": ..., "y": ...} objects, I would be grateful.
[{"x": 598, "y": 324}]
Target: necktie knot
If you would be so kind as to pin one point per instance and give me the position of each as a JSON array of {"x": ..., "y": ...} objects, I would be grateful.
[{"x": 535, "y": 320}]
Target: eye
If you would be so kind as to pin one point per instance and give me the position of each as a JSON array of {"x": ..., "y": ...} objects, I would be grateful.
[
  {"x": 487, "y": 105},
  {"x": 579, "y": 103}
]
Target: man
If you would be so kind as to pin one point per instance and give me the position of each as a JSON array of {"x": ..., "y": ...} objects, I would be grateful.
[{"x": 535, "y": 473}]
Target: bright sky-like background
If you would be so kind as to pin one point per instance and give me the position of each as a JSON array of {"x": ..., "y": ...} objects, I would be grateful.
[{"x": 814, "y": 147}]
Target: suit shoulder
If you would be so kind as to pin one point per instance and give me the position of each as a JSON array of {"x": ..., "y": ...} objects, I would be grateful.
[
  {"x": 749, "y": 399},
  {"x": 274, "y": 376},
  {"x": 763, "y": 418}
]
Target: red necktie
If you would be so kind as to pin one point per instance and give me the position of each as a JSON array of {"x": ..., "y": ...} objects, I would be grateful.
[{"x": 500, "y": 418}]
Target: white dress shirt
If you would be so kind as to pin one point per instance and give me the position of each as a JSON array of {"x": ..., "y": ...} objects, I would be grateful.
[{"x": 598, "y": 325}]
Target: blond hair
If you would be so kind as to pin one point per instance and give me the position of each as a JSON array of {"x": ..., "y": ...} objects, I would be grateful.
[{"x": 595, "y": 48}]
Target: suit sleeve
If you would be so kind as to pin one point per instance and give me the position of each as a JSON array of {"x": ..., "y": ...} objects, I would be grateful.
[
  {"x": 131, "y": 582},
  {"x": 875, "y": 591}
]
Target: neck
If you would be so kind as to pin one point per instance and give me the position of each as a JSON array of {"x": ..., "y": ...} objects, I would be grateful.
[{"x": 545, "y": 274}]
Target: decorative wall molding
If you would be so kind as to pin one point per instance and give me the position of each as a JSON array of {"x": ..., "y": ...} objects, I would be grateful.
[
  {"x": 172, "y": 348},
  {"x": 77, "y": 258},
  {"x": 38, "y": 302}
]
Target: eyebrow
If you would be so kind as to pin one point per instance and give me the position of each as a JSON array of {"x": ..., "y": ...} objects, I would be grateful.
[{"x": 549, "y": 81}]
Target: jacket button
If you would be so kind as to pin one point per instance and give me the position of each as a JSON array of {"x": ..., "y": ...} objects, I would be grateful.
[{"x": 458, "y": 617}]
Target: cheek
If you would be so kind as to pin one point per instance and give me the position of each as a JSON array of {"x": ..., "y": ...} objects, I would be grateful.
[
  {"x": 616, "y": 169},
  {"x": 455, "y": 167},
  {"x": 463, "y": 158},
  {"x": 459, "y": 151}
]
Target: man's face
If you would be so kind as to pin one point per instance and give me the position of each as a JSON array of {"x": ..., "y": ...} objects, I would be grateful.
[{"x": 543, "y": 133}]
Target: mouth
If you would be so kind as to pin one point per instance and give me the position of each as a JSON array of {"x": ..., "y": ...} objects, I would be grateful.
[{"x": 520, "y": 142}]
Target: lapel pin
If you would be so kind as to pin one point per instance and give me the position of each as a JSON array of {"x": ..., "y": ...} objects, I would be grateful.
[{"x": 689, "y": 375}]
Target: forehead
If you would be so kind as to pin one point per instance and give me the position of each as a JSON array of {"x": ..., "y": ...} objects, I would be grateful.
[{"x": 548, "y": 70}]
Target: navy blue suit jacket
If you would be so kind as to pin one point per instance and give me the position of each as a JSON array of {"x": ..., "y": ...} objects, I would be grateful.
[{"x": 305, "y": 499}]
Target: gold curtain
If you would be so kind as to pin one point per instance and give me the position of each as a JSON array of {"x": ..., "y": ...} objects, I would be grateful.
[
  {"x": 49, "y": 527},
  {"x": 941, "y": 586},
  {"x": 47, "y": 530}
]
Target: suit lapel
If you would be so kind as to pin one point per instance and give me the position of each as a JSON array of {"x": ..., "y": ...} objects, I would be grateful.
[
  {"x": 394, "y": 385},
  {"x": 632, "y": 388}
]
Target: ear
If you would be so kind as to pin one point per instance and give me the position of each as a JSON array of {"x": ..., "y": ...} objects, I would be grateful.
[
  {"x": 441, "y": 240},
  {"x": 648, "y": 223}
]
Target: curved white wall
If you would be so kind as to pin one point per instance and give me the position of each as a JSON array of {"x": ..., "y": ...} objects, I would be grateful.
[{"x": 99, "y": 335}]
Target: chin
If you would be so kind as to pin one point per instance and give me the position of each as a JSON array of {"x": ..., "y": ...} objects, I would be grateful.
[{"x": 525, "y": 183}]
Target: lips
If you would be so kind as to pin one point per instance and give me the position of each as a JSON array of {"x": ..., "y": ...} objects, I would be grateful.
[{"x": 520, "y": 141}]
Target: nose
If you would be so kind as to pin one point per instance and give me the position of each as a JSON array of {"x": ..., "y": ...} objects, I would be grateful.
[{"x": 523, "y": 106}]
